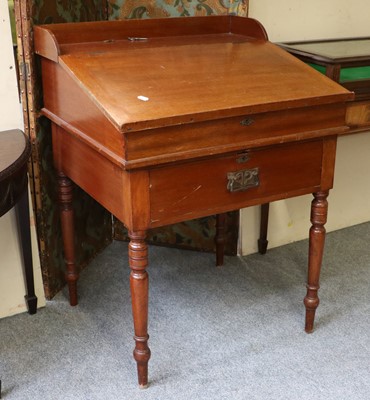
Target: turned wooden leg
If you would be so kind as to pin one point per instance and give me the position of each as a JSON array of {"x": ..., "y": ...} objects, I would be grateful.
[
  {"x": 65, "y": 195},
  {"x": 262, "y": 241},
  {"x": 139, "y": 284},
  {"x": 319, "y": 211},
  {"x": 220, "y": 238}
]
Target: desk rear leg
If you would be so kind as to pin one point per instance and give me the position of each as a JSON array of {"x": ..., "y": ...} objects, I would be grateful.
[
  {"x": 319, "y": 212},
  {"x": 139, "y": 284},
  {"x": 262, "y": 241},
  {"x": 65, "y": 197},
  {"x": 220, "y": 238}
]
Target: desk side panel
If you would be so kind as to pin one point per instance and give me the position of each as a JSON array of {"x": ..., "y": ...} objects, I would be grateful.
[
  {"x": 91, "y": 171},
  {"x": 328, "y": 163},
  {"x": 69, "y": 102}
]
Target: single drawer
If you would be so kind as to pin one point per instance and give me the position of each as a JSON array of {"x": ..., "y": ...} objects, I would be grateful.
[{"x": 199, "y": 188}]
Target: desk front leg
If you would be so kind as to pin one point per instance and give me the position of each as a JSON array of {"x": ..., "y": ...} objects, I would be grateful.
[
  {"x": 319, "y": 211},
  {"x": 139, "y": 284}
]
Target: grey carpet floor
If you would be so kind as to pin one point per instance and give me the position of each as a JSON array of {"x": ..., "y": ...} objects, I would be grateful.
[{"x": 215, "y": 333}]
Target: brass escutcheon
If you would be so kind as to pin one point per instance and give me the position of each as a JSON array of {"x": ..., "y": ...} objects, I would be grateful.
[{"x": 239, "y": 181}]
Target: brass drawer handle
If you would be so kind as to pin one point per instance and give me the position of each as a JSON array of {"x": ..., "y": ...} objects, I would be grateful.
[
  {"x": 239, "y": 181},
  {"x": 246, "y": 122}
]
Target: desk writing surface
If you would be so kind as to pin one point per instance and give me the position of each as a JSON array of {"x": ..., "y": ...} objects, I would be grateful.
[{"x": 157, "y": 83}]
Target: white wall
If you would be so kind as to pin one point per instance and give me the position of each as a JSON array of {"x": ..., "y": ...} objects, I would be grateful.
[
  {"x": 12, "y": 288},
  {"x": 315, "y": 19},
  {"x": 290, "y": 20}
]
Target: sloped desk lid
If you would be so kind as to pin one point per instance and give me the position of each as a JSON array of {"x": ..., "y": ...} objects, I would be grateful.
[{"x": 169, "y": 76}]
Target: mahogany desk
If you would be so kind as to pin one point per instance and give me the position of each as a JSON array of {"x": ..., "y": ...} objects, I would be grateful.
[{"x": 167, "y": 120}]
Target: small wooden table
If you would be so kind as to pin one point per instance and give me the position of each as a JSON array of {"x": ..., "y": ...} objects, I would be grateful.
[
  {"x": 167, "y": 120},
  {"x": 15, "y": 151}
]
